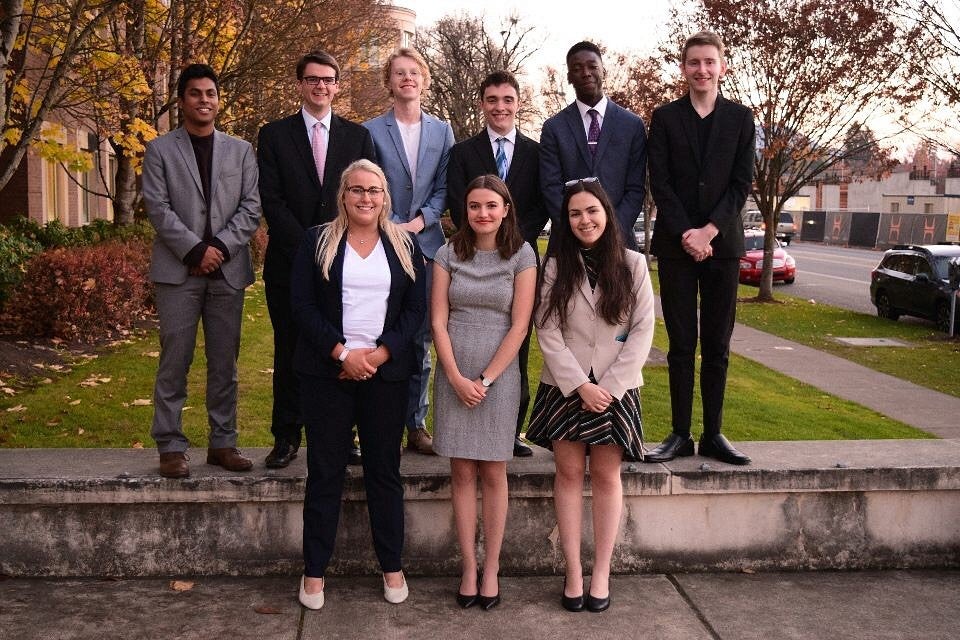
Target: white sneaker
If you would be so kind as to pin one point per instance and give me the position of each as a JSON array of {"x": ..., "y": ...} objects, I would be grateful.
[
  {"x": 398, "y": 594},
  {"x": 311, "y": 600}
]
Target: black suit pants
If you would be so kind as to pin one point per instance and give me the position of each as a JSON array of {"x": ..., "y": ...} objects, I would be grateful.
[
  {"x": 285, "y": 422},
  {"x": 330, "y": 408},
  {"x": 715, "y": 281}
]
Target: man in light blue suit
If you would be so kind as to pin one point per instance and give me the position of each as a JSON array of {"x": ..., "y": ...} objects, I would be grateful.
[
  {"x": 594, "y": 138},
  {"x": 413, "y": 148}
]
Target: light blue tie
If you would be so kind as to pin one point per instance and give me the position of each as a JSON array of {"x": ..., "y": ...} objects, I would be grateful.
[{"x": 501, "y": 159}]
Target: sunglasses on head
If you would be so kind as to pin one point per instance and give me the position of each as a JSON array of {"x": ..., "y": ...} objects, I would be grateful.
[{"x": 573, "y": 183}]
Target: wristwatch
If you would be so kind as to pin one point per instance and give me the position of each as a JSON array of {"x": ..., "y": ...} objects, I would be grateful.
[
  {"x": 485, "y": 381},
  {"x": 343, "y": 354}
]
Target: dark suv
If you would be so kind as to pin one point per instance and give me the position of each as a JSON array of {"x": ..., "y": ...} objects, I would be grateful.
[{"x": 915, "y": 280}]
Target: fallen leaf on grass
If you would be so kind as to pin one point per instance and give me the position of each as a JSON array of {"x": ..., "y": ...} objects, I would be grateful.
[
  {"x": 136, "y": 445},
  {"x": 46, "y": 381},
  {"x": 139, "y": 402},
  {"x": 16, "y": 409},
  {"x": 80, "y": 431},
  {"x": 181, "y": 585},
  {"x": 89, "y": 284},
  {"x": 152, "y": 354},
  {"x": 266, "y": 609},
  {"x": 8, "y": 391},
  {"x": 54, "y": 422},
  {"x": 74, "y": 403}
]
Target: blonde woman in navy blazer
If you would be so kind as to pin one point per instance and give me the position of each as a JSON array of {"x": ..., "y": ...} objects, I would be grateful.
[
  {"x": 594, "y": 323},
  {"x": 354, "y": 366}
]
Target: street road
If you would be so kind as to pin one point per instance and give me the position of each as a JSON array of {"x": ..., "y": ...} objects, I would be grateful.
[{"x": 837, "y": 276}]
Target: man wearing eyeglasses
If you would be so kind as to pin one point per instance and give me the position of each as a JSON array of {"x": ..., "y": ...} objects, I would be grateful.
[
  {"x": 594, "y": 137},
  {"x": 301, "y": 158},
  {"x": 414, "y": 148}
]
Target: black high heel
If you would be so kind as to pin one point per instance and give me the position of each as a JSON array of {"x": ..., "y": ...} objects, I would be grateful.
[
  {"x": 488, "y": 602},
  {"x": 570, "y": 603},
  {"x": 466, "y": 602},
  {"x": 597, "y": 605}
]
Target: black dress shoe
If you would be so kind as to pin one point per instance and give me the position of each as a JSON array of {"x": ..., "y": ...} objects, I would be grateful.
[
  {"x": 674, "y": 445},
  {"x": 719, "y": 448},
  {"x": 597, "y": 604},
  {"x": 281, "y": 455},
  {"x": 355, "y": 458},
  {"x": 520, "y": 449},
  {"x": 570, "y": 603}
]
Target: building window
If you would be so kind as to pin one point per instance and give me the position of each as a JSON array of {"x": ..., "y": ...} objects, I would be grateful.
[
  {"x": 406, "y": 39},
  {"x": 89, "y": 180},
  {"x": 894, "y": 207}
]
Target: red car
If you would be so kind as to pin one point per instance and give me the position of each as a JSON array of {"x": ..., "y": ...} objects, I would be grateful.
[{"x": 751, "y": 265}]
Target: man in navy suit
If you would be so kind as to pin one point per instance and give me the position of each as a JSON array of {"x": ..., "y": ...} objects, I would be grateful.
[
  {"x": 594, "y": 138},
  {"x": 502, "y": 150},
  {"x": 413, "y": 150},
  {"x": 701, "y": 169},
  {"x": 291, "y": 153}
]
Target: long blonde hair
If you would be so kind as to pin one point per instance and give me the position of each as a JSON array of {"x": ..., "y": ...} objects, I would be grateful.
[{"x": 332, "y": 233}]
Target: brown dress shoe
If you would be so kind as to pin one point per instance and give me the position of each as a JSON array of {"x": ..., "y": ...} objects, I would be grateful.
[
  {"x": 229, "y": 458},
  {"x": 174, "y": 465},
  {"x": 420, "y": 441}
]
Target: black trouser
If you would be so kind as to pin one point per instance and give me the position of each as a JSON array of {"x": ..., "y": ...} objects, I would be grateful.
[
  {"x": 285, "y": 424},
  {"x": 522, "y": 356},
  {"x": 330, "y": 408},
  {"x": 715, "y": 281}
]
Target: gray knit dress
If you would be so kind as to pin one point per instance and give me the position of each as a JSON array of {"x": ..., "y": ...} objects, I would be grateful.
[{"x": 481, "y": 300}]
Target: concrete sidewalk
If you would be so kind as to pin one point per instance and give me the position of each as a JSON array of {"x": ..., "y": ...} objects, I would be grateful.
[{"x": 735, "y": 606}]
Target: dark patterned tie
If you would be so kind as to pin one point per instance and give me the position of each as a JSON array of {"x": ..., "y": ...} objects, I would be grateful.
[
  {"x": 594, "y": 135},
  {"x": 501, "y": 159}
]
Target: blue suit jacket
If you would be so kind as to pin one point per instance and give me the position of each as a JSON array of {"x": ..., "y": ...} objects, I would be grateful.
[
  {"x": 620, "y": 162},
  {"x": 428, "y": 196},
  {"x": 318, "y": 311}
]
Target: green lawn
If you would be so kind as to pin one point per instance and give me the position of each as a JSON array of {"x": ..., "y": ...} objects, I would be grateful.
[{"x": 96, "y": 404}]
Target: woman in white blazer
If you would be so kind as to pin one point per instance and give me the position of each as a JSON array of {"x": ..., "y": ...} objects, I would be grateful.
[{"x": 594, "y": 322}]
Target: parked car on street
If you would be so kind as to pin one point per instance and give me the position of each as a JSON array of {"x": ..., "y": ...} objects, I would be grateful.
[
  {"x": 751, "y": 264},
  {"x": 914, "y": 280},
  {"x": 786, "y": 227}
]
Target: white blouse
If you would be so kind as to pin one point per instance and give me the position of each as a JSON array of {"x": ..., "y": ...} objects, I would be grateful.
[{"x": 366, "y": 287}]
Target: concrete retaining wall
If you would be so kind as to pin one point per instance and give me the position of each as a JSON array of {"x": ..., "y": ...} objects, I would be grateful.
[{"x": 801, "y": 505}]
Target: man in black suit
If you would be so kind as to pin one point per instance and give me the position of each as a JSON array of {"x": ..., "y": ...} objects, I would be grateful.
[
  {"x": 594, "y": 137},
  {"x": 301, "y": 158},
  {"x": 701, "y": 169},
  {"x": 502, "y": 150}
]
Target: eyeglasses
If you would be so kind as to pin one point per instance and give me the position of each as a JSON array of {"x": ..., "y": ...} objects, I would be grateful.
[
  {"x": 373, "y": 192},
  {"x": 573, "y": 183},
  {"x": 315, "y": 80},
  {"x": 412, "y": 73}
]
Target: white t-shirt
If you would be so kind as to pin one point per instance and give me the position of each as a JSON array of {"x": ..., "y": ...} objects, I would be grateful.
[
  {"x": 366, "y": 287},
  {"x": 410, "y": 134}
]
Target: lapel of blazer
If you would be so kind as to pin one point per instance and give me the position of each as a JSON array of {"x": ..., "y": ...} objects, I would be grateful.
[
  {"x": 336, "y": 270},
  {"x": 610, "y": 118},
  {"x": 396, "y": 272},
  {"x": 393, "y": 130},
  {"x": 429, "y": 128},
  {"x": 575, "y": 124},
  {"x": 219, "y": 149},
  {"x": 481, "y": 146},
  {"x": 189, "y": 158},
  {"x": 521, "y": 154},
  {"x": 688, "y": 120},
  {"x": 336, "y": 142},
  {"x": 300, "y": 138}
]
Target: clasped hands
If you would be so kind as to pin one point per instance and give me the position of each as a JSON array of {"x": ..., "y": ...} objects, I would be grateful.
[
  {"x": 470, "y": 392},
  {"x": 696, "y": 242},
  {"x": 594, "y": 398},
  {"x": 362, "y": 363},
  {"x": 211, "y": 261}
]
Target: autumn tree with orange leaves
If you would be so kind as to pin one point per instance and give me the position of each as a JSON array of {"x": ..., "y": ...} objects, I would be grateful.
[{"x": 810, "y": 70}]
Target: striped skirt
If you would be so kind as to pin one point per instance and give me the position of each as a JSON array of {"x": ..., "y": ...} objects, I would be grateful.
[{"x": 555, "y": 417}]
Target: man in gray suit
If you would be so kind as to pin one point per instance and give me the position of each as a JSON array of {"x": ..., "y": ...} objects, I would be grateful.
[
  {"x": 200, "y": 189},
  {"x": 413, "y": 149},
  {"x": 595, "y": 138}
]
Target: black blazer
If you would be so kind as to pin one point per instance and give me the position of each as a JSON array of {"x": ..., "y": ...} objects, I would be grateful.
[
  {"x": 689, "y": 190},
  {"x": 318, "y": 311},
  {"x": 291, "y": 193},
  {"x": 474, "y": 157}
]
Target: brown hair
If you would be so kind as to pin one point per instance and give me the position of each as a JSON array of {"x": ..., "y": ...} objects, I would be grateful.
[
  {"x": 509, "y": 240},
  {"x": 319, "y": 57},
  {"x": 703, "y": 38}
]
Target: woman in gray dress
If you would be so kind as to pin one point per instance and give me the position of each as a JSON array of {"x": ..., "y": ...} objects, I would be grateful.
[{"x": 484, "y": 283}]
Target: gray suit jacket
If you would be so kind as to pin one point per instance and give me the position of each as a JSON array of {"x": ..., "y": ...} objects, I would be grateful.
[
  {"x": 429, "y": 194},
  {"x": 173, "y": 194},
  {"x": 620, "y": 163}
]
